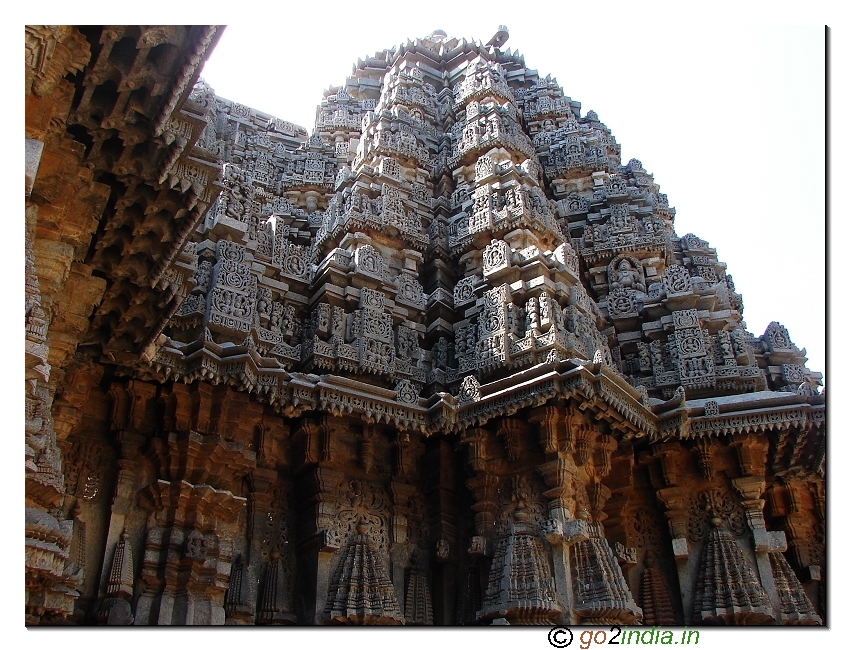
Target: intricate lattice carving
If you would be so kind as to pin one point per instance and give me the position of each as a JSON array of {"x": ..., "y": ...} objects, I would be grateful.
[{"x": 715, "y": 503}]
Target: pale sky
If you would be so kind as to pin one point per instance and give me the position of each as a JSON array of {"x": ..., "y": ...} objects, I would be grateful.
[{"x": 729, "y": 119}]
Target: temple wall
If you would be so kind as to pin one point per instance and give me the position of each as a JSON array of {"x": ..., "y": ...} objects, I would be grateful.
[{"x": 443, "y": 361}]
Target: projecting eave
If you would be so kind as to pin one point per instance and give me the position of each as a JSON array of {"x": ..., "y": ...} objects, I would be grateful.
[
  {"x": 759, "y": 412},
  {"x": 608, "y": 397}
]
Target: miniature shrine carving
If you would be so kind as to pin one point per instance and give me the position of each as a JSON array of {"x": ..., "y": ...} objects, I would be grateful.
[{"x": 443, "y": 360}]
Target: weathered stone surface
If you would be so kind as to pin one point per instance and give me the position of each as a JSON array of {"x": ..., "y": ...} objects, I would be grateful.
[{"x": 444, "y": 360}]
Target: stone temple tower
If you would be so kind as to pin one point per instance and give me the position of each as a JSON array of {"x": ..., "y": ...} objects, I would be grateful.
[{"x": 443, "y": 361}]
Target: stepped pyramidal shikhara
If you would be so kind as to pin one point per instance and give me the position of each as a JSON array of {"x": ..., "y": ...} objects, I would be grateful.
[{"x": 444, "y": 361}]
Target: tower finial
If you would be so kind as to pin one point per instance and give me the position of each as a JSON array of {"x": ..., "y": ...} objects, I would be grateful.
[{"x": 499, "y": 38}]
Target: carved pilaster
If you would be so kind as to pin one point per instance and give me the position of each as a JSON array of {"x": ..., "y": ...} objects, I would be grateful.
[
  {"x": 237, "y": 609},
  {"x": 803, "y": 530},
  {"x": 559, "y": 476},
  {"x": 676, "y": 500},
  {"x": 485, "y": 489},
  {"x": 573, "y": 425},
  {"x": 667, "y": 454},
  {"x": 125, "y": 496},
  {"x": 325, "y": 432},
  {"x": 751, "y": 488},
  {"x": 585, "y": 439},
  {"x": 607, "y": 446},
  {"x": 598, "y": 494}
]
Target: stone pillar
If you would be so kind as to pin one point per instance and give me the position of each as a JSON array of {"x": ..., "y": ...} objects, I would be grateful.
[
  {"x": 440, "y": 465},
  {"x": 402, "y": 544},
  {"x": 563, "y": 530},
  {"x": 675, "y": 500},
  {"x": 751, "y": 488},
  {"x": 319, "y": 537},
  {"x": 125, "y": 494}
]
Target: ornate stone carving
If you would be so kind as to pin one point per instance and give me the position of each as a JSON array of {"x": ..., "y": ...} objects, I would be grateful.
[
  {"x": 602, "y": 595},
  {"x": 417, "y": 606},
  {"x": 521, "y": 587},
  {"x": 796, "y": 609},
  {"x": 654, "y": 597},
  {"x": 360, "y": 590},
  {"x": 727, "y": 587},
  {"x": 677, "y": 280},
  {"x": 251, "y": 350}
]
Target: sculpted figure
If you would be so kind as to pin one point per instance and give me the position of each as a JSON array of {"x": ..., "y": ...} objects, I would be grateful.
[
  {"x": 645, "y": 361},
  {"x": 531, "y": 319},
  {"x": 657, "y": 358},
  {"x": 277, "y": 308},
  {"x": 726, "y": 348},
  {"x": 441, "y": 356},
  {"x": 263, "y": 309},
  {"x": 235, "y": 206},
  {"x": 626, "y": 277},
  {"x": 312, "y": 204}
]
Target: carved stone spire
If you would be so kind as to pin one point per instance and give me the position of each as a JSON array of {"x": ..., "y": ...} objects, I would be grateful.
[
  {"x": 655, "y": 599},
  {"x": 796, "y": 608},
  {"x": 121, "y": 575},
  {"x": 521, "y": 588},
  {"x": 275, "y": 606},
  {"x": 115, "y": 608},
  {"x": 360, "y": 591},
  {"x": 727, "y": 588},
  {"x": 602, "y": 595},
  {"x": 417, "y": 605}
]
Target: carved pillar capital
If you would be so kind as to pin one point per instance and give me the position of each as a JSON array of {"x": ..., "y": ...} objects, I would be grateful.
[
  {"x": 749, "y": 487},
  {"x": 667, "y": 453},
  {"x": 476, "y": 439},
  {"x": 675, "y": 500},
  {"x": 752, "y": 455},
  {"x": 511, "y": 430},
  {"x": 547, "y": 419}
]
